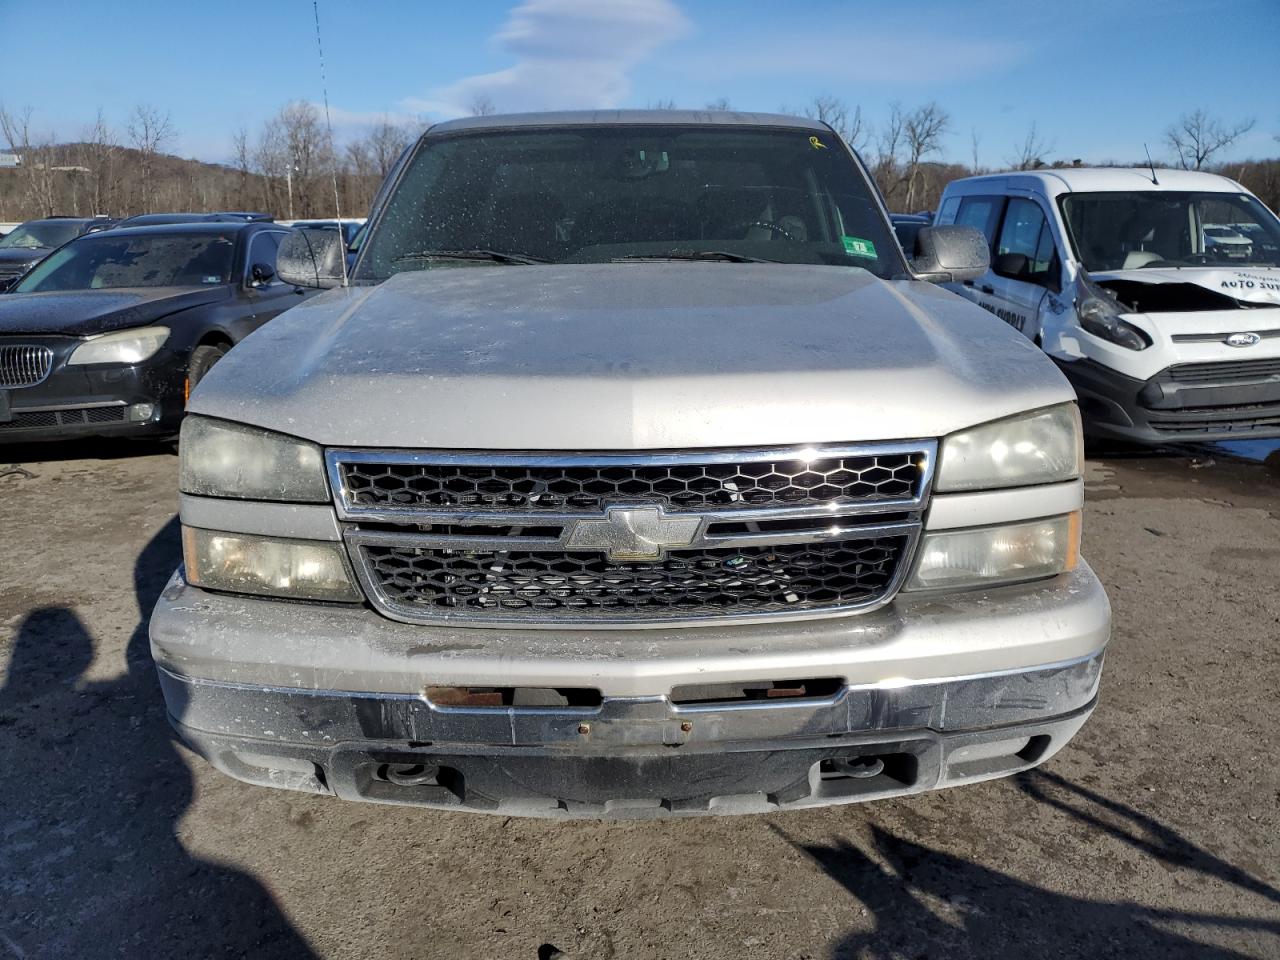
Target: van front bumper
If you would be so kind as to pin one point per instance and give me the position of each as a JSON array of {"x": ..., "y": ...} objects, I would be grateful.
[
  {"x": 1163, "y": 410},
  {"x": 931, "y": 692}
]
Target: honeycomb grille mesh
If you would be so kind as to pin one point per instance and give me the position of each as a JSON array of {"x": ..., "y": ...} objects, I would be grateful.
[
  {"x": 685, "y": 486},
  {"x": 722, "y": 581}
]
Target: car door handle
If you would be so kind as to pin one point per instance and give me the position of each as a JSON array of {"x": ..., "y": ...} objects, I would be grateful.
[
  {"x": 987, "y": 289},
  {"x": 968, "y": 283}
]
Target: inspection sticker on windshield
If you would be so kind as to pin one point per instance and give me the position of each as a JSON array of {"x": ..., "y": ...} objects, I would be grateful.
[{"x": 857, "y": 247}]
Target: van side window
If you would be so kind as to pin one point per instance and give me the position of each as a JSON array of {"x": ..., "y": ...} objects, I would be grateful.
[
  {"x": 980, "y": 212},
  {"x": 947, "y": 212},
  {"x": 1025, "y": 250}
]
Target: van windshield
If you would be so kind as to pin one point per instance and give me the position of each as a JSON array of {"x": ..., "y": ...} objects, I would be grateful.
[
  {"x": 1130, "y": 230},
  {"x": 597, "y": 194}
]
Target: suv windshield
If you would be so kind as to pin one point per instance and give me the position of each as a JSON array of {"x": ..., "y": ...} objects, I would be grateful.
[
  {"x": 33, "y": 235},
  {"x": 101, "y": 261},
  {"x": 596, "y": 194},
  {"x": 1131, "y": 230}
]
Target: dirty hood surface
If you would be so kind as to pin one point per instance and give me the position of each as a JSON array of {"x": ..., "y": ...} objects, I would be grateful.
[
  {"x": 84, "y": 312},
  {"x": 629, "y": 356}
]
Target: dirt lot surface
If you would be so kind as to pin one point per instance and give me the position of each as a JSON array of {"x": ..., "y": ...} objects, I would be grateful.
[{"x": 1156, "y": 833}]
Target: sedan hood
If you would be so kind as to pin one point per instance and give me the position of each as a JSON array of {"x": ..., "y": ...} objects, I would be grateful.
[
  {"x": 629, "y": 356},
  {"x": 82, "y": 313},
  {"x": 19, "y": 256}
]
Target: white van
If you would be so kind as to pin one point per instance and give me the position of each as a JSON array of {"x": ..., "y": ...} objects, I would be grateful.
[{"x": 1157, "y": 292}]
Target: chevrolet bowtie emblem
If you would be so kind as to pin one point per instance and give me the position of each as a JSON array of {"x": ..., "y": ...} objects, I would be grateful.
[{"x": 634, "y": 533}]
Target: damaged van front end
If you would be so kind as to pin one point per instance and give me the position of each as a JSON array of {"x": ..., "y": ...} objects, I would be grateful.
[{"x": 1165, "y": 354}]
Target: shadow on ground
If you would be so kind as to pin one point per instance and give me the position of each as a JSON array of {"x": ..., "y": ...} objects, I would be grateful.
[
  {"x": 925, "y": 902},
  {"x": 90, "y": 864}
]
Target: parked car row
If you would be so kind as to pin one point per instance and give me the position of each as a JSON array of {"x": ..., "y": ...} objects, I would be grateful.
[{"x": 107, "y": 334}]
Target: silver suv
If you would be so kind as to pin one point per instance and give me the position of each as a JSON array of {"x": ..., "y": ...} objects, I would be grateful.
[{"x": 632, "y": 472}]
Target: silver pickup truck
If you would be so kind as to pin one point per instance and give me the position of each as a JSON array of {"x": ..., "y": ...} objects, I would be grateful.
[{"x": 632, "y": 472}]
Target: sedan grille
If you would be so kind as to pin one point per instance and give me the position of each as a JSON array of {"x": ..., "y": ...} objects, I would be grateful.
[{"x": 24, "y": 365}]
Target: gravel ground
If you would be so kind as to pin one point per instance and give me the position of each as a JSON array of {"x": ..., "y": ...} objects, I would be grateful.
[{"x": 1156, "y": 833}]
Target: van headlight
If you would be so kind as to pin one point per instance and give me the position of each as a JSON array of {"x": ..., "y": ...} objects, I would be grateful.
[
  {"x": 126, "y": 346},
  {"x": 267, "y": 566},
  {"x": 1098, "y": 313},
  {"x": 988, "y": 556},
  {"x": 222, "y": 459},
  {"x": 1045, "y": 446}
]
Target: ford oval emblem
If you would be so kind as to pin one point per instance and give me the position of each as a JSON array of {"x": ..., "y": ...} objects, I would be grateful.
[{"x": 1242, "y": 339}]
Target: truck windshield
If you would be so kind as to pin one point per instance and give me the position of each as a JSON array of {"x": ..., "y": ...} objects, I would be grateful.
[
  {"x": 597, "y": 194},
  {"x": 1128, "y": 230},
  {"x": 105, "y": 261}
]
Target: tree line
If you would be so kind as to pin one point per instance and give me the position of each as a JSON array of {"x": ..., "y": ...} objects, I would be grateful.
[{"x": 292, "y": 168}]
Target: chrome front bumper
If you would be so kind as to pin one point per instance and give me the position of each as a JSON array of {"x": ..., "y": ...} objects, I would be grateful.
[{"x": 934, "y": 693}]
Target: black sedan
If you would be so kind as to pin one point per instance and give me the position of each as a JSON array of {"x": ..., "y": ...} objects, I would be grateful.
[
  {"x": 107, "y": 336},
  {"x": 29, "y": 243}
]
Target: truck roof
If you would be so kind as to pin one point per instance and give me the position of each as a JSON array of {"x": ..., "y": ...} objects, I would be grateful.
[
  {"x": 572, "y": 118},
  {"x": 1097, "y": 180}
]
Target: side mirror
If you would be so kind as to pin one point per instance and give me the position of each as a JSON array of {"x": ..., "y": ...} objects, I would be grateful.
[
  {"x": 311, "y": 258},
  {"x": 261, "y": 274},
  {"x": 1010, "y": 265},
  {"x": 950, "y": 254}
]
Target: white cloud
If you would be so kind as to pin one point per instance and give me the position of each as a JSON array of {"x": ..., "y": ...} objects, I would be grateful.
[{"x": 568, "y": 53}]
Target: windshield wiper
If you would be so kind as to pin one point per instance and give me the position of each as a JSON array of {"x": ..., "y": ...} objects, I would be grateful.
[
  {"x": 724, "y": 255},
  {"x": 495, "y": 256}
]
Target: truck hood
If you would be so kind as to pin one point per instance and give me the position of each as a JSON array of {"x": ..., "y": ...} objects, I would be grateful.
[
  {"x": 82, "y": 313},
  {"x": 635, "y": 356}
]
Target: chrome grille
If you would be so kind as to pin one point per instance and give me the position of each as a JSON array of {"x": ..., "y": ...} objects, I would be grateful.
[
  {"x": 795, "y": 577},
  {"x": 763, "y": 479},
  {"x": 626, "y": 539},
  {"x": 24, "y": 365}
]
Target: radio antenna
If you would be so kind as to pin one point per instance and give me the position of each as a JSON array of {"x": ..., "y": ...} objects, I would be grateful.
[
  {"x": 1151, "y": 166},
  {"x": 324, "y": 89}
]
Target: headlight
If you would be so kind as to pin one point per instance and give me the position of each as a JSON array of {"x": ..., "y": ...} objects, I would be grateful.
[
  {"x": 240, "y": 563},
  {"x": 1099, "y": 314},
  {"x": 220, "y": 459},
  {"x": 127, "y": 346},
  {"x": 953, "y": 559},
  {"x": 1042, "y": 447}
]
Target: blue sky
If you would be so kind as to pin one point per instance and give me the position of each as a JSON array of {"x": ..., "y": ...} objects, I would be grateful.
[{"x": 1099, "y": 77}]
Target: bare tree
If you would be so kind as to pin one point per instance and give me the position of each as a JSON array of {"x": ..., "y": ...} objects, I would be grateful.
[
  {"x": 386, "y": 142},
  {"x": 1197, "y": 136},
  {"x": 974, "y": 142},
  {"x": 720, "y": 103},
  {"x": 663, "y": 105},
  {"x": 148, "y": 130},
  {"x": 835, "y": 113},
  {"x": 923, "y": 129},
  {"x": 98, "y": 153},
  {"x": 1030, "y": 153},
  {"x": 243, "y": 159},
  {"x": 35, "y": 158},
  {"x": 482, "y": 105}
]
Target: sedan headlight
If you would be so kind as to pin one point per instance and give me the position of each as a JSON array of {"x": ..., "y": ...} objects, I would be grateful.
[
  {"x": 221, "y": 459},
  {"x": 127, "y": 346},
  {"x": 1046, "y": 446},
  {"x": 987, "y": 556},
  {"x": 267, "y": 566}
]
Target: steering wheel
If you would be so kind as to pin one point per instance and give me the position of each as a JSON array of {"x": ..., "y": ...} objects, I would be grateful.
[{"x": 767, "y": 224}]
